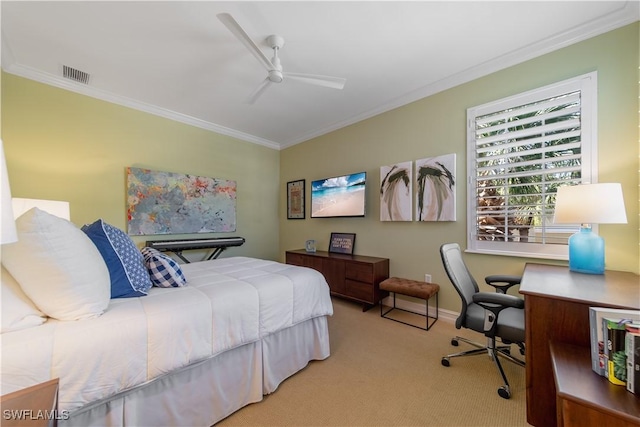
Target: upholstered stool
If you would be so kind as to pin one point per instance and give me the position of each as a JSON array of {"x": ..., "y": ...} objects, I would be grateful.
[{"x": 412, "y": 288}]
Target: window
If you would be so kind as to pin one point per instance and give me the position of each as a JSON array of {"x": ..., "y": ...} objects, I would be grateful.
[{"x": 520, "y": 150}]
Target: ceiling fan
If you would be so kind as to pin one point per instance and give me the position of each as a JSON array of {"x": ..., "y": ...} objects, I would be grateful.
[{"x": 273, "y": 66}]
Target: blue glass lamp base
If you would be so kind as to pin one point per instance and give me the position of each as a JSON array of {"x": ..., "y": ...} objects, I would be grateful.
[{"x": 586, "y": 252}]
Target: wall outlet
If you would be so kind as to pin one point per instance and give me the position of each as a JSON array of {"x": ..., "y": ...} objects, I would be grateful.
[{"x": 427, "y": 278}]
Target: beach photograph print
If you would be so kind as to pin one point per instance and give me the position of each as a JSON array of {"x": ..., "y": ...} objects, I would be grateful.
[
  {"x": 174, "y": 203},
  {"x": 396, "y": 190},
  {"x": 436, "y": 185},
  {"x": 338, "y": 196}
]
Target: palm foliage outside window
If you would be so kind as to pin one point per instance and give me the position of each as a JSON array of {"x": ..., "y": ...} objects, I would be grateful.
[{"x": 521, "y": 150}]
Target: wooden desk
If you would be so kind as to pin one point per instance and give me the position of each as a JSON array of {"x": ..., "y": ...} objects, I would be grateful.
[
  {"x": 557, "y": 305},
  {"x": 585, "y": 398}
]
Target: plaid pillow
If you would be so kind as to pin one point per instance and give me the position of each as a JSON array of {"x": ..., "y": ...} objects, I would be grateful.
[{"x": 164, "y": 271}]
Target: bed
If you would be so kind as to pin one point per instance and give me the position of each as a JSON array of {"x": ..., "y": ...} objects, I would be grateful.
[{"x": 188, "y": 355}]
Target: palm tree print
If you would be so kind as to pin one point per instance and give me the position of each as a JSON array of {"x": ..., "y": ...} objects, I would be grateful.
[
  {"x": 436, "y": 188},
  {"x": 395, "y": 192}
]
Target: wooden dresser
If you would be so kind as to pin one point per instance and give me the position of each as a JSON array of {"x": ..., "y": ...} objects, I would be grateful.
[
  {"x": 355, "y": 277},
  {"x": 557, "y": 305}
]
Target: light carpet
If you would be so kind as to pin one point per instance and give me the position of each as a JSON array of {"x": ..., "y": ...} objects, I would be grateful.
[{"x": 384, "y": 373}]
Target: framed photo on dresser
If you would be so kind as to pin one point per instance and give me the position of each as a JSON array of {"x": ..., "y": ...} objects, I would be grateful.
[{"x": 342, "y": 243}]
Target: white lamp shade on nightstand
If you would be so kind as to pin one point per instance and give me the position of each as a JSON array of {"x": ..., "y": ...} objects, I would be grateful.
[
  {"x": 588, "y": 204},
  {"x": 54, "y": 207}
]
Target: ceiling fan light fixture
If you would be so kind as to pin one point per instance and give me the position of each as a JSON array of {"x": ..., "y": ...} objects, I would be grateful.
[{"x": 275, "y": 76}]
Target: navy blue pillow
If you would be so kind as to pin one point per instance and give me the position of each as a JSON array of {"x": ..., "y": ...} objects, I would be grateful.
[{"x": 127, "y": 271}]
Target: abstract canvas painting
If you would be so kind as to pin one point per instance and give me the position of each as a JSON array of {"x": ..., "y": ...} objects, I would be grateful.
[
  {"x": 174, "y": 203},
  {"x": 396, "y": 190},
  {"x": 435, "y": 192}
]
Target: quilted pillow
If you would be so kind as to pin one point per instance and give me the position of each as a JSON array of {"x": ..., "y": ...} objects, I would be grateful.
[
  {"x": 57, "y": 267},
  {"x": 128, "y": 274},
  {"x": 165, "y": 272},
  {"x": 18, "y": 311}
]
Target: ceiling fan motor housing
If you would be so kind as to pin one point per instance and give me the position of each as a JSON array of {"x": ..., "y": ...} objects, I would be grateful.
[{"x": 275, "y": 76}]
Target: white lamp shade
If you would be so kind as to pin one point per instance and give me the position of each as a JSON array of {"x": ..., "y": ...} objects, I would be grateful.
[
  {"x": 54, "y": 207},
  {"x": 590, "y": 204},
  {"x": 8, "y": 232}
]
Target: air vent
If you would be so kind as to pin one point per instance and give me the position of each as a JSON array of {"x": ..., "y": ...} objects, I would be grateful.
[{"x": 75, "y": 75}]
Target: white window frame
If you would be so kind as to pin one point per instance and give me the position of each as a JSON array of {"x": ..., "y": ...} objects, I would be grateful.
[{"x": 587, "y": 85}]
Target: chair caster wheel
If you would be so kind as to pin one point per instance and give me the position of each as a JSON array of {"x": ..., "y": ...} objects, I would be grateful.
[
  {"x": 454, "y": 342},
  {"x": 504, "y": 392},
  {"x": 445, "y": 361}
]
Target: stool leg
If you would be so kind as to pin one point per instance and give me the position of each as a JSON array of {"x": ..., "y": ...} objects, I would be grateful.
[
  {"x": 427, "y": 313},
  {"x": 426, "y": 317},
  {"x": 384, "y": 313}
]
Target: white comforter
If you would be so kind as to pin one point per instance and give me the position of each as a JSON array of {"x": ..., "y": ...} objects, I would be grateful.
[{"x": 227, "y": 303}]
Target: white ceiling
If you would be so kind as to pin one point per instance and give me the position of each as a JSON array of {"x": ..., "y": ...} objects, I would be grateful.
[{"x": 177, "y": 60}]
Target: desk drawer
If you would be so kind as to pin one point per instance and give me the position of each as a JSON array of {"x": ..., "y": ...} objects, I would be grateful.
[{"x": 359, "y": 272}]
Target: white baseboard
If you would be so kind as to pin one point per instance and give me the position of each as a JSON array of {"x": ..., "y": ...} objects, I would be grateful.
[{"x": 445, "y": 315}]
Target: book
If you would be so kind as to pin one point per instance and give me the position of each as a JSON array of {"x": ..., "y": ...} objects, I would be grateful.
[
  {"x": 596, "y": 333},
  {"x": 632, "y": 350},
  {"x": 614, "y": 333}
]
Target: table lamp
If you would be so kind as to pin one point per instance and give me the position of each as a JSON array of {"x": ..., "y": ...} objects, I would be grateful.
[
  {"x": 54, "y": 207},
  {"x": 588, "y": 204}
]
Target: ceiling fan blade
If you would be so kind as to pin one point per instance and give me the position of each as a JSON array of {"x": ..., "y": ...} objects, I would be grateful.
[
  {"x": 241, "y": 35},
  {"x": 258, "y": 91},
  {"x": 326, "y": 81}
]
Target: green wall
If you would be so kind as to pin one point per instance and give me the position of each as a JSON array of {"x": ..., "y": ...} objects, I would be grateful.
[
  {"x": 64, "y": 146},
  {"x": 435, "y": 126}
]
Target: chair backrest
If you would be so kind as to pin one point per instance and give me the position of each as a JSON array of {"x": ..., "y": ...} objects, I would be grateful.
[{"x": 460, "y": 277}]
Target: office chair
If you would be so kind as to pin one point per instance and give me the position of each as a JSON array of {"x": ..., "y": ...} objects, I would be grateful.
[{"x": 496, "y": 315}]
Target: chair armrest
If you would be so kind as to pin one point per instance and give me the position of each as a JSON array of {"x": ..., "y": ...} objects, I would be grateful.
[
  {"x": 501, "y": 282},
  {"x": 494, "y": 303},
  {"x": 496, "y": 300}
]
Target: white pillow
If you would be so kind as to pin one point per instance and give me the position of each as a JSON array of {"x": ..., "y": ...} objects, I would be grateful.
[
  {"x": 18, "y": 311},
  {"x": 58, "y": 267}
]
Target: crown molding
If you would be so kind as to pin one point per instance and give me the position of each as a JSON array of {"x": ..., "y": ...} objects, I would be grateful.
[{"x": 626, "y": 14}]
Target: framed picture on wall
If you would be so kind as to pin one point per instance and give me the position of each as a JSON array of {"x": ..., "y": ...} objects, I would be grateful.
[
  {"x": 295, "y": 199},
  {"x": 342, "y": 243}
]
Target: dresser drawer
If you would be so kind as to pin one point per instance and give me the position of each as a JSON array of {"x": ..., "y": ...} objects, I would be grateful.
[
  {"x": 295, "y": 259},
  {"x": 359, "y": 272},
  {"x": 304, "y": 261},
  {"x": 359, "y": 290}
]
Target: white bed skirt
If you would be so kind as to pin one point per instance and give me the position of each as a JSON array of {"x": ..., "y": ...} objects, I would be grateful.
[
  {"x": 288, "y": 351},
  {"x": 203, "y": 393}
]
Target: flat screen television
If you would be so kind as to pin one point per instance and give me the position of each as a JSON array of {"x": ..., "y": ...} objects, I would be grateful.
[{"x": 339, "y": 196}]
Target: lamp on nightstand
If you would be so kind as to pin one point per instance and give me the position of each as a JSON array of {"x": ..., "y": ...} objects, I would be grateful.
[
  {"x": 588, "y": 204},
  {"x": 54, "y": 207}
]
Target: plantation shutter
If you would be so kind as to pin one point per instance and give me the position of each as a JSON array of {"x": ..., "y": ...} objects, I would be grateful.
[{"x": 522, "y": 150}]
